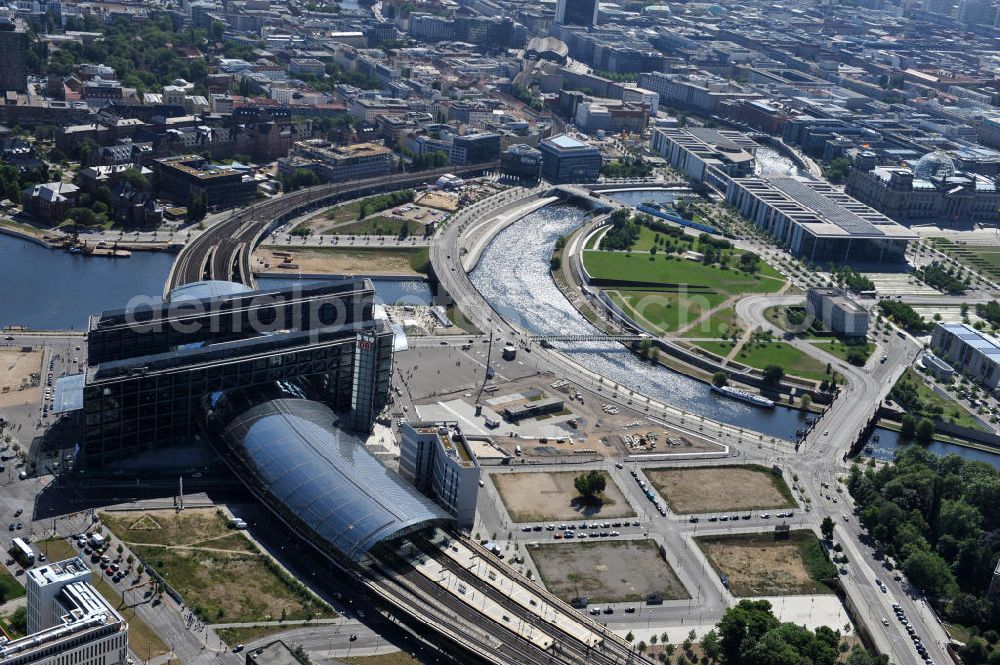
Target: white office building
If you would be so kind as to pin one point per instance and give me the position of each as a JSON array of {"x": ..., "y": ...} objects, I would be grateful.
[
  {"x": 838, "y": 312},
  {"x": 69, "y": 621},
  {"x": 968, "y": 350},
  {"x": 437, "y": 459}
]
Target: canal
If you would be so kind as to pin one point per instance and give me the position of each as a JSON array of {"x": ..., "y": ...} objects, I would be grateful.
[
  {"x": 889, "y": 441},
  {"x": 513, "y": 276}
]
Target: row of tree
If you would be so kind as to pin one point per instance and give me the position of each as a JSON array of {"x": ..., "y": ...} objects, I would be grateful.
[
  {"x": 904, "y": 316},
  {"x": 944, "y": 279}
]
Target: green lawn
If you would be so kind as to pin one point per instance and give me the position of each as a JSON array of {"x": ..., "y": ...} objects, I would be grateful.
[
  {"x": 719, "y": 348},
  {"x": 719, "y": 323},
  {"x": 983, "y": 258},
  {"x": 951, "y": 411},
  {"x": 10, "y": 588},
  {"x": 839, "y": 349},
  {"x": 639, "y": 269},
  {"x": 790, "y": 359},
  {"x": 379, "y": 225},
  {"x": 661, "y": 311}
]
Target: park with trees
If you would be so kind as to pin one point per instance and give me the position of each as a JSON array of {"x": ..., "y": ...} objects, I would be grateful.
[{"x": 939, "y": 518}]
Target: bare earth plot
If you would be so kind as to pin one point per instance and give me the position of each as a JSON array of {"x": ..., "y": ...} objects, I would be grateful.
[
  {"x": 338, "y": 261},
  {"x": 758, "y": 565},
  {"x": 544, "y": 496},
  {"x": 720, "y": 488},
  {"x": 611, "y": 571},
  {"x": 16, "y": 368}
]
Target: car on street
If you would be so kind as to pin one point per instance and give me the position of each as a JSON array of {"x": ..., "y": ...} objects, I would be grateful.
[{"x": 885, "y": 622}]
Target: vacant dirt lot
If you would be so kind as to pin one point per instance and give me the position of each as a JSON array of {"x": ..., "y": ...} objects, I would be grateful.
[
  {"x": 612, "y": 571},
  {"x": 757, "y": 565},
  {"x": 708, "y": 489},
  {"x": 328, "y": 260},
  {"x": 168, "y": 527},
  {"x": 540, "y": 497},
  {"x": 15, "y": 369}
]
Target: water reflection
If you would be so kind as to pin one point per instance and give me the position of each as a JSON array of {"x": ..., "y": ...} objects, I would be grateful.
[{"x": 888, "y": 442}]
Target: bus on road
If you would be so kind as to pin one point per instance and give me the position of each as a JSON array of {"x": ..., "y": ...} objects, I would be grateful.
[{"x": 21, "y": 551}]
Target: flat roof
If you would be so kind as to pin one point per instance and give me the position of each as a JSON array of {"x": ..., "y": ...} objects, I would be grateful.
[
  {"x": 567, "y": 142},
  {"x": 975, "y": 339},
  {"x": 69, "y": 393}
]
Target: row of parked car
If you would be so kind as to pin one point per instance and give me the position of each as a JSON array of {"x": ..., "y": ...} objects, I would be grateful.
[
  {"x": 746, "y": 516},
  {"x": 650, "y": 494}
]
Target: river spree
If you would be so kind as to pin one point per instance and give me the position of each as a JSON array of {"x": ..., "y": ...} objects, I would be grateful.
[
  {"x": 513, "y": 276},
  {"x": 47, "y": 289}
]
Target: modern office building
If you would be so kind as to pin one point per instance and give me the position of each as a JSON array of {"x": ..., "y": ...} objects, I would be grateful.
[
  {"x": 334, "y": 163},
  {"x": 838, "y": 312},
  {"x": 577, "y": 12},
  {"x": 474, "y": 149},
  {"x": 437, "y": 459},
  {"x": 220, "y": 187},
  {"x": 932, "y": 190},
  {"x": 44, "y": 585},
  {"x": 705, "y": 155},
  {"x": 69, "y": 621},
  {"x": 156, "y": 365},
  {"x": 521, "y": 161},
  {"x": 13, "y": 57},
  {"x": 968, "y": 350},
  {"x": 697, "y": 90},
  {"x": 566, "y": 159},
  {"x": 817, "y": 222}
]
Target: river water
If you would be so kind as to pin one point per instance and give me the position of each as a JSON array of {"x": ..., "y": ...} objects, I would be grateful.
[
  {"x": 636, "y": 196},
  {"x": 513, "y": 276},
  {"x": 771, "y": 162},
  {"x": 46, "y": 289},
  {"x": 387, "y": 291},
  {"x": 889, "y": 441},
  {"x": 49, "y": 289}
]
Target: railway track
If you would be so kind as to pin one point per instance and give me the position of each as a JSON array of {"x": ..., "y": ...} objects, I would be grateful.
[{"x": 224, "y": 250}]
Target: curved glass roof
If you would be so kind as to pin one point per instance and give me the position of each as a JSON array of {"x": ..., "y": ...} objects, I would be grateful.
[
  {"x": 210, "y": 288},
  {"x": 325, "y": 477}
]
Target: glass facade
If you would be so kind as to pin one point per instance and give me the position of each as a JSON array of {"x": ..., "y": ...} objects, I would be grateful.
[
  {"x": 190, "y": 320},
  {"x": 147, "y": 390},
  {"x": 132, "y": 406}
]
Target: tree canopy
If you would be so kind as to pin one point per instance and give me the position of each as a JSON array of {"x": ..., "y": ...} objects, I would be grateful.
[
  {"x": 939, "y": 517},
  {"x": 590, "y": 483}
]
